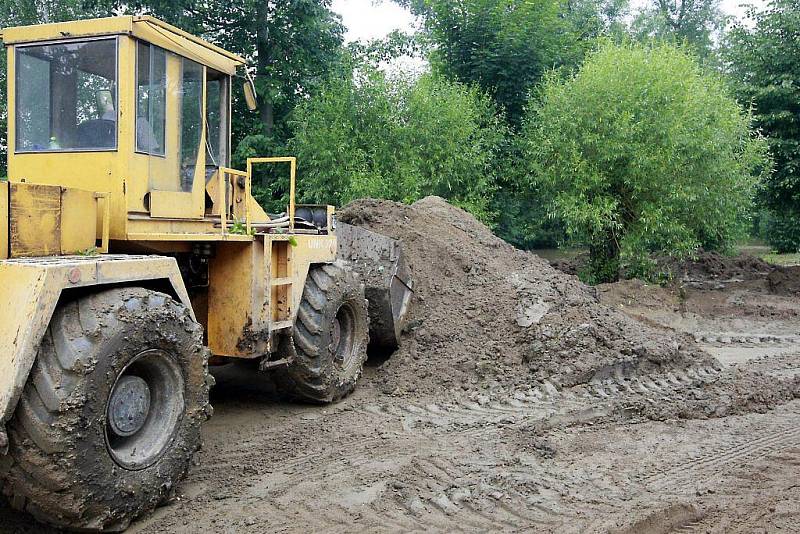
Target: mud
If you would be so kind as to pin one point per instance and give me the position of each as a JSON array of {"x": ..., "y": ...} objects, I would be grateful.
[
  {"x": 709, "y": 269},
  {"x": 520, "y": 401},
  {"x": 706, "y": 266},
  {"x": 488, "y": 315}
]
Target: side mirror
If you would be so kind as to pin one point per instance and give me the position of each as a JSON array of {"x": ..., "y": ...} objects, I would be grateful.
[{"x": 250, "y": 94}]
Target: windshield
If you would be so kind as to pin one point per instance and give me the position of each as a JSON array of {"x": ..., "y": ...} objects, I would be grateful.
[{"x": 67, "y": 96}]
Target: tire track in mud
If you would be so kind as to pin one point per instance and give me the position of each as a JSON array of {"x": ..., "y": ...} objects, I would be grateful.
[
  {"x": 430, "y": 489},
  {"x": 433, "y": 491},
  {"x": 454, "y": 496},
  {"x": 739, "y": 338},
  {"x": 425, "y": 487},
  {"x": 785, "y": 364},
  {"x": 542, "y": 402},
  {"x": 713, "y": 463}
]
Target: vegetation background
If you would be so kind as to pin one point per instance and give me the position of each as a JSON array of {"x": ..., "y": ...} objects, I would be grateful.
[{"x": 582, "y": 122}]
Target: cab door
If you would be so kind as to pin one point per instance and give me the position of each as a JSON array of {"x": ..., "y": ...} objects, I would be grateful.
[{"x": 170, "y": 131}]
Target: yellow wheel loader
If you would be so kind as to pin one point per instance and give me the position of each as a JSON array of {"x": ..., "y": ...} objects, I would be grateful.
[{"x": 132, "y": 256}]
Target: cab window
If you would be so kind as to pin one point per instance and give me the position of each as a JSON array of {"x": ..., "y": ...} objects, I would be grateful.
[
  {"x": 151, "y": 99},
  {"x": 217, "y": 124},
  {"x": 66, "y": 96}
]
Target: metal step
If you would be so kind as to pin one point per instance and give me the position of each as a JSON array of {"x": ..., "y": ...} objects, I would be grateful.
[{"x": 280, "y": 325}]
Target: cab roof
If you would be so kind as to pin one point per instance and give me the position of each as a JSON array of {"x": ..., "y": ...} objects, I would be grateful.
[{"x": 146, "y": 28}]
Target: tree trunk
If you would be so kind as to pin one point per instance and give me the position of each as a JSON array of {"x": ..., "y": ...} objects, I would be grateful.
[
  {"x": 604, "y": 258},
  {"x": 265, "y": 108}
]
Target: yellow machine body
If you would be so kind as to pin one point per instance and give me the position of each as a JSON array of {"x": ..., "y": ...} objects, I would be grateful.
[{"x": 107, "y": 192}]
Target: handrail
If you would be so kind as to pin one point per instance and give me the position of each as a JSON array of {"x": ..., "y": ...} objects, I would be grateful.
[
  {"x": 223, "y": 194},
  {"x": 248, "y": 176}
]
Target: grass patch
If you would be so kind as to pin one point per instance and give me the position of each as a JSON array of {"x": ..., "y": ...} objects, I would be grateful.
[{"x": 782, "y": 259}]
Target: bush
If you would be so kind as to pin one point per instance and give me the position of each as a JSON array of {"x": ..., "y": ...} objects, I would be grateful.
[
  {"x": 641, "y": 152},
  {"x": 399, "y": 139},
  {"x": 782, "y": 232}
]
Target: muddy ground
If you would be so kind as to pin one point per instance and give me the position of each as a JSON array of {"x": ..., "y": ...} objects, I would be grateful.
[{"x": 522, "y": 400}]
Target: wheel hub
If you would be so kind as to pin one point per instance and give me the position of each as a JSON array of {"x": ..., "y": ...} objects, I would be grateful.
[
  {"x": 129, "y": 406},
  {"x": 144, "y": 409}
]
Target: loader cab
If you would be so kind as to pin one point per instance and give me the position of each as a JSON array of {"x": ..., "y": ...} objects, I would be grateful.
[{"x": 130, "y": 106}]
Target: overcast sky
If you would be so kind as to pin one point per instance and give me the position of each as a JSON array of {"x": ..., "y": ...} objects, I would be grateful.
[{"x": 368, "y": 19}]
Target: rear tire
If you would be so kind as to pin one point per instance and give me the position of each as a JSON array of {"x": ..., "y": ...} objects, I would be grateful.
[
  {"x": 330, "y": 336},
  {"x": 110, "y": 416}
]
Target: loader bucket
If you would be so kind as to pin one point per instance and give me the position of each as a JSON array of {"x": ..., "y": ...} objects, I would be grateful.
[{"x": 380, "y": 262}]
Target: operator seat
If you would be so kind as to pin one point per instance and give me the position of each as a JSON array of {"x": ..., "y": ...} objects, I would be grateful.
[{"x": 98, "y": 133}]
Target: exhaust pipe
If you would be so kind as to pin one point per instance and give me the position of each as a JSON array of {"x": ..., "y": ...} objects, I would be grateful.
[{"x": 387, "y": 279}]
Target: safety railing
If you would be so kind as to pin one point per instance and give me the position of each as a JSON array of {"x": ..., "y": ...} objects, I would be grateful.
[
  {"x": 226, "y": 211},
  {"x": 228, "y": 208}
]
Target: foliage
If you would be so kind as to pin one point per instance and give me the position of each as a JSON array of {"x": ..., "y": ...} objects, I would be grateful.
[
  {"x": 782, "y": 232},
  {"x": 642, "y": 152},
  {"x": 788, "y": 260},
  {"x": 697, "y": 23},
  {"x": 378, "y": 52},
  {"x": 505, "y": 46},
  {"x": 398, "y": 138},
  {"x": 765, "y": 62},
  {"x": 240, "y": 227},
  {"x": 90, "y": 251}
]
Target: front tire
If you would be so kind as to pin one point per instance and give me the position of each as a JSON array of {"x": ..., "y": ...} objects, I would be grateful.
[
  {"x": 330, "y": 336},
  {"x": 110, "y": 416}
]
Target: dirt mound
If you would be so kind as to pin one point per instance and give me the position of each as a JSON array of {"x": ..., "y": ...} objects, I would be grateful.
[
  {"x": 784, "y": 281},
  {"x": 572, "y": 265},
  {"x": 715, "y": 266},
  {"x": 486, "y": 314},
  {"x": 703, "y": 267}
]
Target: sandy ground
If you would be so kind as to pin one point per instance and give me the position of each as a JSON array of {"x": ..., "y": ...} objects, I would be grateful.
[
  {"x": 554, "y": 461},
  {"x": 597, "y": 455}
]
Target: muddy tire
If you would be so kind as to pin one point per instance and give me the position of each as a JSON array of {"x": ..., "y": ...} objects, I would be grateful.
[
  {"x": 330, "y": 336},
  {"x": 110, "y": 416}
]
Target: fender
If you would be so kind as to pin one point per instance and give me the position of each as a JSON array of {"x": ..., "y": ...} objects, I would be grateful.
[{"x": 30, "y": 289}]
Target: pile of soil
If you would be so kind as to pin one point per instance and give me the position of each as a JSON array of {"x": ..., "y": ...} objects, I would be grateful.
[
  {"x": 488, "y": 315},
  {"x": 704, "y": 266},
  {"x": 784, "y": 281},
  {"x": 571, "y": 266},
  {"x": 715, "y": 266}
]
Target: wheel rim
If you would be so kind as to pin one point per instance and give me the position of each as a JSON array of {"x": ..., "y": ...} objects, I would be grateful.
[
  {"x": 144, "y": 409},
  {"x": 343, "y": 338}
]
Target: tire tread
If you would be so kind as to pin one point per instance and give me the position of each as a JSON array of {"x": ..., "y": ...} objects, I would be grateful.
[{"x": 47, "y": 421}]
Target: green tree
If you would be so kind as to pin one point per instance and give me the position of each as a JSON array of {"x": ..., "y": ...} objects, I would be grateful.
[
  {"x": 642, "y": 152},
  {"x": 695, "y": 22},
  {"x": 764, "y": 61},
  {"x": 398, "y": 138},
  {"x": 505, "y": 46}
]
